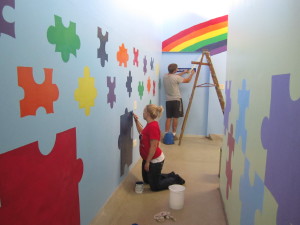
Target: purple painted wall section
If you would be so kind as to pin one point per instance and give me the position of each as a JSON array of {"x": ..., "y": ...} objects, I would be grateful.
[{"x": 280, "y": 136}]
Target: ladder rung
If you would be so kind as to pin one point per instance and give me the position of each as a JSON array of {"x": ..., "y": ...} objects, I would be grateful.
[
  {"x": 200, "y": 63},
  {"x": 206, "y": 85}
]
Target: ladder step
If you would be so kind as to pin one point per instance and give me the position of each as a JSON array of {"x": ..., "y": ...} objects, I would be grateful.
[{"x": 200, "y": 63}]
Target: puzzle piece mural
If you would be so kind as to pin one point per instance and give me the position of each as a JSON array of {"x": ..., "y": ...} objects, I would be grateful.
[
  {"x": 41, "y": 189},
  {"x": 227, "y": 105},
  {"x": 128, "y": 84},
  {"x": 159, "y": 83},
  {"x": 6, "y": 27},
  {"x": 280, "y": 137},
  {"x": 157, "y": 69},
  {"x": 154, "y": 84},
  {"x": 136, "y": 57},
  {"x": 111, "y": 97},
  {"x": 148, "y": 85},
  {"x": 151, "y": 63},
  {"x": 141, "y": 89},
  {"x": 36, "y": 95},
  {"x": 243, "y": 100},
  {"x": 251, "y": 196},
  {"x": 122, "y": 55},
  {"x": 230, "y": 144},
  {"x": 86, "y": 92},
  {"x": 65, "y": 39},
  {"x": 101, "y": 50},
  {"x": 145, "y": 65},
  {"x": 125, "y": 141}
]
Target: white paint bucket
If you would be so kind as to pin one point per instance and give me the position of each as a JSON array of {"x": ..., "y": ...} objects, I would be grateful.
[
  {"x": 176, "y": 200},
  {"x": 139, "y": 187}
]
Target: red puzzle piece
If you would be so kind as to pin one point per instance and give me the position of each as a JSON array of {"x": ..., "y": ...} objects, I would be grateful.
[
  {"x": 36, "y": 95},
  {"x": 38, "y": 189},
  {"x": 154, "y": 84},
  {"x": 231, "y": 145},
  {"x": 136, "y": 57}
]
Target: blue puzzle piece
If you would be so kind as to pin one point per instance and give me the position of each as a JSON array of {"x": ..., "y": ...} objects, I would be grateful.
[
  {"x": 128, "y": 84},
  {"x": 251, "y": 196},
  {"x": 243, "y": 100},
  {"x": 152, "y": 63},
  {"x": 280, "y": 135}
]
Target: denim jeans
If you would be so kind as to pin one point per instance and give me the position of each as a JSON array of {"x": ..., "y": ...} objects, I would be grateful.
[{"x": 155, "y": 178}]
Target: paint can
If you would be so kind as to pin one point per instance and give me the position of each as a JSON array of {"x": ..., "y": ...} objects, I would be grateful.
[
  {"x": 176, "y": 199},
  {"x": 139, "y": 187}
]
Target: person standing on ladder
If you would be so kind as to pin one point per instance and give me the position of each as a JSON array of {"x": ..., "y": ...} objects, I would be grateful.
[{"x": 174, "y": 107}]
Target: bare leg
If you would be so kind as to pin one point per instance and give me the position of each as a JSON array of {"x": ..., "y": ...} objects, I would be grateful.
[
  {"x": 174, "y": 125},
  {"x": 168, "y": 124}
]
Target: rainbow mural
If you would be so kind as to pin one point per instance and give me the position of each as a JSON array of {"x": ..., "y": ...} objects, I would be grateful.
[{"x": 210, "y": 35}]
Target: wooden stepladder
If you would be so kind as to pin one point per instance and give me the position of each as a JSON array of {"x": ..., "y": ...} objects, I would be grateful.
[{"x": 205, "y": 54}]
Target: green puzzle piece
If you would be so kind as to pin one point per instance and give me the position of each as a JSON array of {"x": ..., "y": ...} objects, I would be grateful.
[
  {"x": 141, "y": 89},
  {"x": 65, "y": 39}
]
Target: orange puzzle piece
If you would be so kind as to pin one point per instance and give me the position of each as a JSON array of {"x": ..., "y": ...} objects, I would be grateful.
[
  {"x": 36, "y": 95},
  {"x": 122, "y": 55}
]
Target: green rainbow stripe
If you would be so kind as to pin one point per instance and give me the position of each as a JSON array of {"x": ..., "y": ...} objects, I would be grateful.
[{"x": 201, "y": 44}]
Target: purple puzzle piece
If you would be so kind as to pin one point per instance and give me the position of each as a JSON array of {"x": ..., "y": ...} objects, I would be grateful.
[
  {"x": 101, "y": 50},
  {"x": 227, "y": 105},
  {"x": 111, "y": 97},
  {"x": 5, "y": 27},
  {"x": 280, "y": 135},
  {"x": 145, "y": 65}
]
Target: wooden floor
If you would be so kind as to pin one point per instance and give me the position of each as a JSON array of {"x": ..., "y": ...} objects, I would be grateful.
[{"x": 197, "y": 161}]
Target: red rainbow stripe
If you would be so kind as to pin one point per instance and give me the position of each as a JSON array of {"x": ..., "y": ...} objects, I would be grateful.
[{"x": 196, "y": 34}]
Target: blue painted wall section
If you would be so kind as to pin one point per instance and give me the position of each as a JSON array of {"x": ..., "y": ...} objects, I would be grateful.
[
  {"x": 72, "y": 65},
  {"x": 243, "y": 101},
  {"x": 251, "y": 196}
]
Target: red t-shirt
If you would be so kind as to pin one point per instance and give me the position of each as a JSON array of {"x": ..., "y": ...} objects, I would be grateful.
[{"x": 150, "y": 132}]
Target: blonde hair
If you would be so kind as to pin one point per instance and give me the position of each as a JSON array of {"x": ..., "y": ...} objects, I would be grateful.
[{"x": 154, "y": 111}]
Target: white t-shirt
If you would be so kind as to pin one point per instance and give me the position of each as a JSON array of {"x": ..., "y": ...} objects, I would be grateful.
[{"x": 171, "y": 85}]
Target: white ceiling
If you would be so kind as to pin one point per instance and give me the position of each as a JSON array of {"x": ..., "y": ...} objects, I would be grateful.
[{"x": 162, "y": 10}]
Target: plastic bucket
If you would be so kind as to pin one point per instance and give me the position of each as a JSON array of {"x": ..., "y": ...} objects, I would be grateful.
[
  {"x": 176, "y": 200},
  {"x": 139, "y": 187},
  {"x": 168, "y": 139}
]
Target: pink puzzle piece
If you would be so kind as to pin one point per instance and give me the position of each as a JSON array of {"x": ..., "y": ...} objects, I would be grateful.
[
  {"x": 230, "y": 144},
  {"x": 38, "y": 189}
]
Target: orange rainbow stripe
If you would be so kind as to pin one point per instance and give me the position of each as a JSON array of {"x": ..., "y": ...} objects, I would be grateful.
[{"x": 211, "y": 35}]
